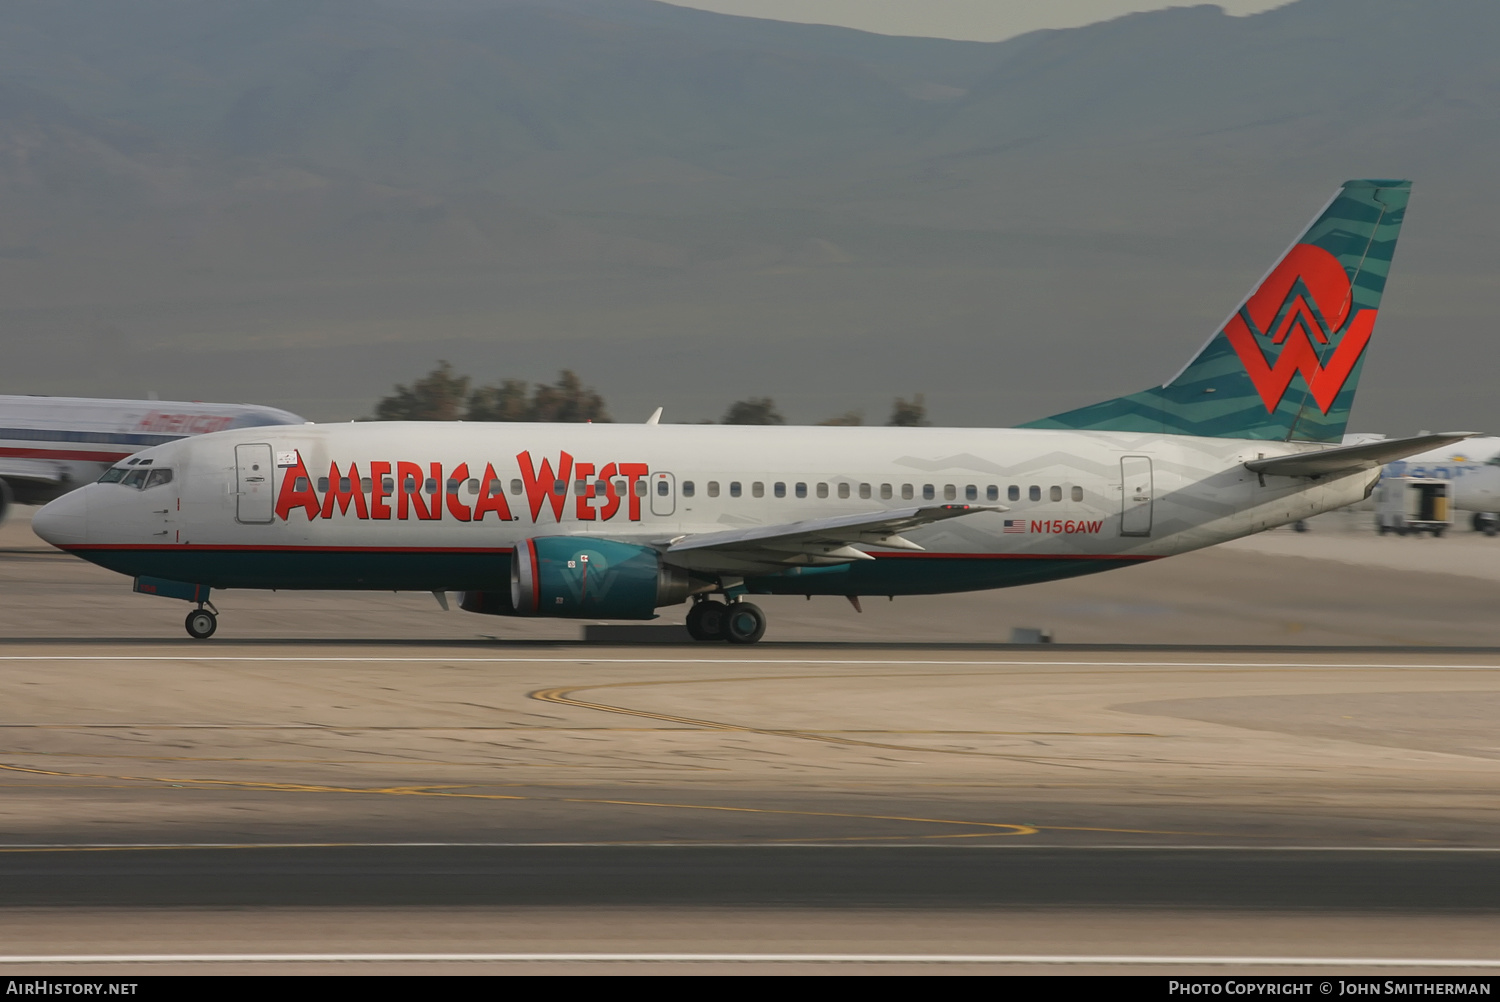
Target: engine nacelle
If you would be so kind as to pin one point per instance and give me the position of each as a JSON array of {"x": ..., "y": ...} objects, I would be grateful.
[{"x": 577, "y": 577}]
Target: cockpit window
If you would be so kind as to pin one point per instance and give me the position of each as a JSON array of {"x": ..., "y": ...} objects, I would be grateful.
[
  {"x": 159, "y": 476},
  {"x": 113, "y": 475},
  {"x": 135, "y": 478},
  {"x": 1493, "y": 461}
]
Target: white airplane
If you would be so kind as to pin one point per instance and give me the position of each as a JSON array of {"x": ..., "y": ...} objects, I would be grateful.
[
  {"x": 1473, "y": 469},
  {"x": 52, "y": 445},
  {"x": 604, "y": 521}
]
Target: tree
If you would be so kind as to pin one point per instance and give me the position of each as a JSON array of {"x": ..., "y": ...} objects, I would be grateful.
[
  {"x": 848, "y": 418},
  {"x": 567, "y": 400},
  {"x": 506, "y": 402},
  {"x": 438, "y": 396},
  {"x": 756, "y": 410},
  {"x": 909, "y": 413}
]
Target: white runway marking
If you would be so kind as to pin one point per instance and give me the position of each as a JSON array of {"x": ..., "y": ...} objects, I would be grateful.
[
  {"x": 746, "y": 958},
  {"x": 587, "y": 660},
  {"x": 971, "y": 847}
]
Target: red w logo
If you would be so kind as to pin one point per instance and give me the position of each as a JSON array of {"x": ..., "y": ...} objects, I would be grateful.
[{"x": 1307, "y": 298}]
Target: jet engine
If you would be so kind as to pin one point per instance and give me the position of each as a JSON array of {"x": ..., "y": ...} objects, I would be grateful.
[{"x": 575, "y": 577}]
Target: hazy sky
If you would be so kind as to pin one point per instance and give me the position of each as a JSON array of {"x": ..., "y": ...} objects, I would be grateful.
[{"x": 979, "y": 20}]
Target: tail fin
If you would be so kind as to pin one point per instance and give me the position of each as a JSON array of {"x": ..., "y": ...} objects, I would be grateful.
[{"x": 1286, "y": 363}]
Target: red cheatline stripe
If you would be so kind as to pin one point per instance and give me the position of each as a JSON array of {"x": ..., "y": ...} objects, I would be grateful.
[
  {"x": 178, "y": 548},
  {"x": 92, "y": 457},
  {"x": 531, "y": 551}
]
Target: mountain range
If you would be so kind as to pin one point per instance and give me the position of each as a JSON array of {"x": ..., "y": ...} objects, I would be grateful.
[{"x": 302, "y": 202}]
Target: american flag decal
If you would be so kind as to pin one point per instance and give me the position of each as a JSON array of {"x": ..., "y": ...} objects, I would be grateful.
[{"x": 1015, "y": 525}]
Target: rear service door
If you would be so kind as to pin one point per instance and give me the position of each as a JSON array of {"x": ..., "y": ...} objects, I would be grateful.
[
  {"x": 663, "y": 494},
  {"x": 1136, "y": 491},
  {"x": 255, "y": 479}
]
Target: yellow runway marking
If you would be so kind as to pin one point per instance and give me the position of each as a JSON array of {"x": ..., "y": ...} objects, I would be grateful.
[
  {"x": 563, "y": 695},
  {"x": 455, "y": 791}
]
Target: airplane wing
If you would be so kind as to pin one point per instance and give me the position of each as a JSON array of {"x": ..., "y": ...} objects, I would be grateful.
[
  {"x": 819, "y": 541},
  {"x": 35, "y": 470},
  {"x": 1348, "y": 458}
]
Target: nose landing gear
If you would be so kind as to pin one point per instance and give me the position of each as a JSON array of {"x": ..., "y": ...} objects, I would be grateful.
[{"x": 201, "y": 623}]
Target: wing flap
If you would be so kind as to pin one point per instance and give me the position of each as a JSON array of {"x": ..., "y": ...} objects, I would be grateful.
[{"x": 826, "y": 540}]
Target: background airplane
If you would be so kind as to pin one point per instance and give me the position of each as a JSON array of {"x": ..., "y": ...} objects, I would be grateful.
[
  {"x": 614, "y": 521},
  {"x": 52, "y": 445},
  {"x": 1474, "y": 469}
]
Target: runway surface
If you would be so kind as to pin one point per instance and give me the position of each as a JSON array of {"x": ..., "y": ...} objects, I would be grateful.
[{"x": 936, "y": 803}]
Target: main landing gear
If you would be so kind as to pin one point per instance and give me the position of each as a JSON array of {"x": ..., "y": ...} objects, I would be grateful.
[
  {"x": 736, "y": 622},
  {"x": 201, "y": 623}
]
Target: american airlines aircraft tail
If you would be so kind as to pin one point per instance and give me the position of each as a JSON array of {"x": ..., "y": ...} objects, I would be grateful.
[{"x": 603, "y": 521}]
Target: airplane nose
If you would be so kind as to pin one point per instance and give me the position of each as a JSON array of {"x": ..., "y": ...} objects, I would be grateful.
[{"x": 63, "y": 522}]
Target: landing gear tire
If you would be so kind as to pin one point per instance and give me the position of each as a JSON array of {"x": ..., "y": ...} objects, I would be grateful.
[
  {"x": 744, "y": 623},
  {"x": 705, "y": 621},
  {"x": 201, "y": 624},
  {"x": 1299, "y": 526}
]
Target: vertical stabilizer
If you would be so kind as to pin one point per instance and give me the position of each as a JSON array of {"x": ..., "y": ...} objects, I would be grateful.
[{"x": 1286, "y": 363}]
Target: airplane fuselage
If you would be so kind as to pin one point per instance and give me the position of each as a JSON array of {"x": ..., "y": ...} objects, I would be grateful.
[{"x": 420, "y": 506}]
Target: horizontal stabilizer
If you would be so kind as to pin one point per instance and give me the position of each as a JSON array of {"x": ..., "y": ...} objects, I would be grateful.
[
  {"x": 37, "y": 471},
  {"x": 1349, "y": 458}
]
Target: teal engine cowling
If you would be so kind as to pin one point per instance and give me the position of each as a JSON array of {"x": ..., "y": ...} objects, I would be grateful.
[{"x": 576, "y": 577}]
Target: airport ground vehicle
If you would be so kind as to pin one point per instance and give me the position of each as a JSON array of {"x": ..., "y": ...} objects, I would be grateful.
[
  {"x": 1412, "y": 505},
  {"x": 1473, "y": 470},
  {"x": 52, "y": 445},
  {"x": 603, "y": 521}
]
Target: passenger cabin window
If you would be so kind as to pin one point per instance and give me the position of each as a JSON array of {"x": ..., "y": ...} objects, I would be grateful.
[
  {"x": 1077, "y": 494},
  {"x": 780, "y": 489},
  {"x": 971, "y": 493},
  {"x": 802, "y": 490},
  {"x": 928, "y": 492},
  {"x": 734, "y": 488},
  {"x": 1054, "y": 493},
  {"x": 559, "y": 488},
  {"x": 992, "y": 493},
  {"x": 662, "y": 488},
  {"x": 843, "y": 490},
  {"x": 366, "y": 484},
  {"x": 906, "y": 492},
  {"x": 640, "y": 488},
  {"x": 1013, "y": 492},
  {"x": 713, "y": 488},
  {"x": 949, "y": 492},
  {"x": 758, "y": 489},
  {"x": 687, "y": 488},
  {"x": 823, "y": 490},
  {"x": 322, "y": 484},
  {"x": 299, "y": 485},
  {"x": 1034, "y": 492},
  {"x": 515, "y": 486},
  {"x": 430, "y": 486},
  {"x": 885, "y": 492}
]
